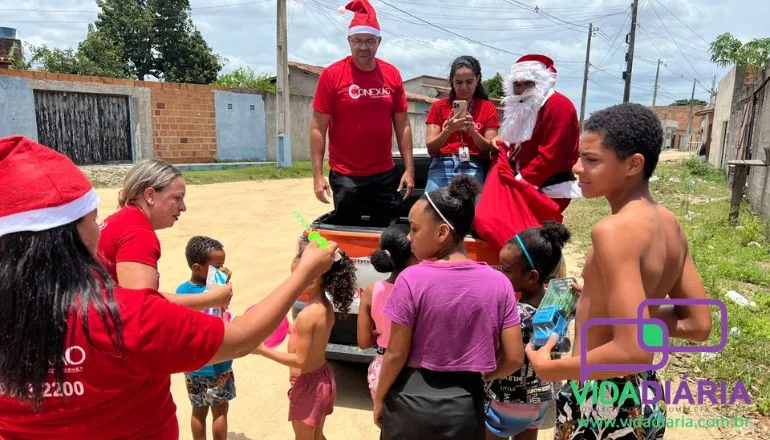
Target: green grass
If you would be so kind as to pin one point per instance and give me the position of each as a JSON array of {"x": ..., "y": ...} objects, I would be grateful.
[
  {"x": 727, "y": 258},
  {"x": 267, "y": 172}
]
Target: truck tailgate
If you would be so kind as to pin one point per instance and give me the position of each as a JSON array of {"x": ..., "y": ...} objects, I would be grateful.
[{"x": 362, "y": 244}]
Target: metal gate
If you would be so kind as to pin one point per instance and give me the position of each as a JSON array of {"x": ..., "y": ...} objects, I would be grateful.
[{"x": 89, "y": 128}]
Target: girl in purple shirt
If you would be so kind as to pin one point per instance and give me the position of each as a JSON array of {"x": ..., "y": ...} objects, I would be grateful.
[{"x": 454, "y": 322}]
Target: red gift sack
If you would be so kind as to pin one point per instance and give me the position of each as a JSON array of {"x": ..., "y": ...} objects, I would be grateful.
[{"x": 508, "y": 206}]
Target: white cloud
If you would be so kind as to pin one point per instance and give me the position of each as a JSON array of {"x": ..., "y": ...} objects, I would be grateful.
[{"x": 244, "y": 32}]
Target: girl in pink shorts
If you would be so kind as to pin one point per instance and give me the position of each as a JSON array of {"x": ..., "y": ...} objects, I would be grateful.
[
  {"x": 393, "y": 256},
  {"x": 313, "y": 387}
]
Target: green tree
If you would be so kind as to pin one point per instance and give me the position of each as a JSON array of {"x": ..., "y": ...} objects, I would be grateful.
[
  {"x": 20, "y": 62},
  {"x": 494, "y": 86},
  {"x": 751, "y": 56},
  {"x": 75, "y": 62},
  {"x": 182, "y": 53},
  {"x": 136, "y": 39},
  {"x": 246, "y": 77},
  {"x": 687, "y": 102}
]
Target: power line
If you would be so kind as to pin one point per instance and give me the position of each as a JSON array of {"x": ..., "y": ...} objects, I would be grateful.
[
  {"x": 96, "y": 11},
  {"x": 448, "y": 31},
  {"x": 680, "y": 21},
  {"x": 694, "y": 70},
  {"x": 620, "y": 29}
]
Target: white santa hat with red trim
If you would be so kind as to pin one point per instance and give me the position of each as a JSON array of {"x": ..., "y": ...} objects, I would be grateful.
[
  {"x": 365, "y": 19},
  {"x": 536, "y": 68},
  {"x": 42, "y": 189}
]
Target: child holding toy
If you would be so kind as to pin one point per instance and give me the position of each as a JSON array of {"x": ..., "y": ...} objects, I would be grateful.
[
  {"x": 313, "y": 387},
  {"x": 517, "y": 404},
  {"x": 638, "y": 252},
  {"x": 393, "y": 256},
  {"x": 212, "y": 386}
]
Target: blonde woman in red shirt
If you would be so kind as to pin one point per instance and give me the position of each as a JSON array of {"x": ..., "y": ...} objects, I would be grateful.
[{"x": 82, "y": 358}]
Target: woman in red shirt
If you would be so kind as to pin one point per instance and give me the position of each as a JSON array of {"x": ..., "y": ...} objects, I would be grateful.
[
  {"x": 80, "y": 357},
  {"x": 457, "y": 143},
  {"x": 152, "y": 198}
]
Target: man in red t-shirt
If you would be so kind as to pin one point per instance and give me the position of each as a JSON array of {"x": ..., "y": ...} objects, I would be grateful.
[
  {"x": 360, "y": 100},
  {"x": 541, "y": 126}
]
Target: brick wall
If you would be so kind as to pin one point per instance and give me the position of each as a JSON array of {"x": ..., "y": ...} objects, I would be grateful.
[
  {"x": 680, "y": 113},
  {"x": 183, "y": 115},
  {"x": 184, "y": 123}
]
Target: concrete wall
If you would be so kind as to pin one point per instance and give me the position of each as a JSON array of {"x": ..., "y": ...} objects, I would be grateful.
[
  {"x": 738, "y": 100},
  {"x": 170, "y": 121},
  {"x": 302, "y": 83},
  {"x": 418, "y": 131},
  {"x": 758, "y": 192},
  {"x": 422, "y": 85},
  {"x": 301, "y": 115},
  {"x": 17, "y": 108},
  {"x": 240, "y": 126},
  {"x": 721, "y": 119},
  {"x": 756, "y": 137},
  {"x": 416, "y": 87}
]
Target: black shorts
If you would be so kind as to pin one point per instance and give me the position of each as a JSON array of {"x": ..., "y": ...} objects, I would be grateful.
[
  {"x": 374, "y": 196},
  {"x": 424, "y": 404}
]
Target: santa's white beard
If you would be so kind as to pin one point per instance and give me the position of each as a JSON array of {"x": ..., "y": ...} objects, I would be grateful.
[{"x": 521, "y": 115}]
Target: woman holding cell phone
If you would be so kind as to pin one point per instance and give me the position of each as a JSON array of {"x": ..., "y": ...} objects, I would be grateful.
[{"x": 461, "y": 127}]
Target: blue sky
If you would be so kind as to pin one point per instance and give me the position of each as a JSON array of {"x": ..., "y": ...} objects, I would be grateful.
[{"x": 424, "y": 36}]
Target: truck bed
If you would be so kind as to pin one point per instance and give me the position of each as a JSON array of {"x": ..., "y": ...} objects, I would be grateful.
[
  {"x": 358, "y": 242},
  {"x": 361, "y": 241}
]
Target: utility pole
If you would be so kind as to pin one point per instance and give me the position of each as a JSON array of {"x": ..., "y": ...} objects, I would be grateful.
[
  {"x": 713, "y": 90},
  {"x": 689, "y": 118},
  {"x": 585, "y": 75},
  {"x": 655, "y": 90},
  {"x": 630, "y": 54},
  {"x": 282, "y": 110}
]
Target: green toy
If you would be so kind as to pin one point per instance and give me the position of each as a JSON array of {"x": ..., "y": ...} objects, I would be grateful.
[{"x": 315, "y": 235}]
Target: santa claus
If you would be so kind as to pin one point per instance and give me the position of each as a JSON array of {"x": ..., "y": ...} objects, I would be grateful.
[{"x": 541, "y": 127}]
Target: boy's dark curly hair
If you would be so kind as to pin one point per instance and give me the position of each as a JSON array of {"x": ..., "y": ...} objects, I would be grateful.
[
  {"x": 198, "y": 248},
  {"x": 340, "y": 282},
  {"x": 629, "y": 129}
]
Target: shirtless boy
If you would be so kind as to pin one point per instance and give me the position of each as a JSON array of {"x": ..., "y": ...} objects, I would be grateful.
[
  {"x": 313, "y": 388},
  {"x": 638, "y": 252}
]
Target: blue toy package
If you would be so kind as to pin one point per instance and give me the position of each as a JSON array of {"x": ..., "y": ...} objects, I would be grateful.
[
  {"x": 554, "y": 313},
  {"x": 215, "y": 277}
]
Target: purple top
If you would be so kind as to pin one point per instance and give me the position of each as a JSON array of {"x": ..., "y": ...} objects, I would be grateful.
[{"x": 456, "y": 311}]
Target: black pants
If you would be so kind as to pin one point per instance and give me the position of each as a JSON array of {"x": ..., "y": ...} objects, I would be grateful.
[
  {"x": 374, "y": 196},
  {"x": 430, "y": 405}
]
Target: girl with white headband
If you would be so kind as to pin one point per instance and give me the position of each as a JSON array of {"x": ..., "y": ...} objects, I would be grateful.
[{"x": 453, "y": 321}]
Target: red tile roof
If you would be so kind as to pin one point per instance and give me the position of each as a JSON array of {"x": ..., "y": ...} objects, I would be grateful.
[{"x": 309, "y": 68}]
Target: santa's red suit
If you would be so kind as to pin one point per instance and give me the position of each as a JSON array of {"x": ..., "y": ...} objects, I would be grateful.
[{"x": 542, "y": 128}]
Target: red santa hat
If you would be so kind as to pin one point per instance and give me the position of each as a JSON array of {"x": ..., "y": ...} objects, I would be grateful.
[
  {"x": 365, "y": 19},
  {"x": 42, "y": 189},
  {"x": 536, "y": 68}
]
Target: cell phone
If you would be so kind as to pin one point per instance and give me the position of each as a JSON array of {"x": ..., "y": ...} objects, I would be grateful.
[{"x": 460, "y": 108}]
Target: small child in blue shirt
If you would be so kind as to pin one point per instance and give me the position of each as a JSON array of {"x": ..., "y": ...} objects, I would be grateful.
[{"x": 213, "y": 385}]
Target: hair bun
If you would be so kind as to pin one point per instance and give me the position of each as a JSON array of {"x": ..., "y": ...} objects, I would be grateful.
[
  {"x": 464, "y": 187},
  {"x": 382, "y": 261},
  {"x": 556, "y": 233}
]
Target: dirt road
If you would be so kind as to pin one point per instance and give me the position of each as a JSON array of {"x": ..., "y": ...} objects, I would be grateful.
[{"x": 254, "y": 221}]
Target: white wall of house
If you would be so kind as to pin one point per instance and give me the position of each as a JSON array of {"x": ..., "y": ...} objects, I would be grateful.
[{"x": 722, "y": 110}]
